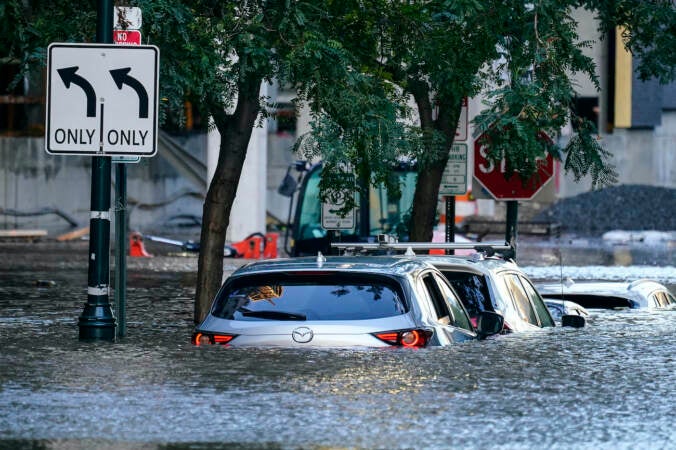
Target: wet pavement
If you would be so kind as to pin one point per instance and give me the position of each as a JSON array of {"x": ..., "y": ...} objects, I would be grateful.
[{"x": 607, "y": 386}]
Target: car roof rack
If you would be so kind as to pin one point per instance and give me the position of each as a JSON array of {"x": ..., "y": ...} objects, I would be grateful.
[{"x": 389, "y": 243}]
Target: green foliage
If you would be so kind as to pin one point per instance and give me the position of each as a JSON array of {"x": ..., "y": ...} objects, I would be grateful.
[
  {"x": 586, "y": 156},
  {"x": 356, "y": 130},
  {"x": 649, "y": 32},
  {"x": 357, "y": 65},
  {"x": 29, "y": 26},
  {"x": 533, "y": 90}
]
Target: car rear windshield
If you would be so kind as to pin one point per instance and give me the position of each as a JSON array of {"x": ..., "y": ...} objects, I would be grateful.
[{"x": 310, "y": 296}]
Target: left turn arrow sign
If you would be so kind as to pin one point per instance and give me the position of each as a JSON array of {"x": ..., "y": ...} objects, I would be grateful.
[
  {"x": 69, "y": 76},
  {"x": 121, "y": 77}
]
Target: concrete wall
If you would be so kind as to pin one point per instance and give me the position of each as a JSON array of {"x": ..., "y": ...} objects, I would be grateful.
[
  {"x": 641, "y": 156},
  {"x": 31, "y": 180}
]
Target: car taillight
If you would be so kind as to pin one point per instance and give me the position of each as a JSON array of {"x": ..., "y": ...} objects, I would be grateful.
[
  {"x": 204, "y": 338},
  {"x": 406, "y": 338},
  {"x": 506, "y": 328}
]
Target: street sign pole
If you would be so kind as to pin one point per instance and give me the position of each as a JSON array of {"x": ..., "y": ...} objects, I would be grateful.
[
  {"x": 121, "y": 248},
  {"x": 450, "y": 222},
  {"x": 122, "y": 37},
  {"x": 511, "y": 224},
  {"x": 491, "y": 176},
  {"x": 97, "y": 321},
  {"x": 454, "y": 181}
]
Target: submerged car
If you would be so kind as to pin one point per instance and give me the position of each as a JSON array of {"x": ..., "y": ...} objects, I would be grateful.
[
  {"x": 560, "y": 308},
  {"x": 493, "y": 284},
  {"x": 611, "y": 294},
  {"x": 371, "y": 301},
  {"x": 485, "y": 281}
]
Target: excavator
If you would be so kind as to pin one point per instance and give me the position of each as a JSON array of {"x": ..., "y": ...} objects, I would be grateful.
[{"x": 377, "y": 213}]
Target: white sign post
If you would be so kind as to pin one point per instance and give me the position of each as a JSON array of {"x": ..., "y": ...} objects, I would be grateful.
[
  {"x": 102, "y": 99},
  {"x": 454, "y": 178},
  {"x": 331, "y": 220}
]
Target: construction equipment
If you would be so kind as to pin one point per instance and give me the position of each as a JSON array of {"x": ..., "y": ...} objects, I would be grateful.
[{"x": 254, "y": 246}]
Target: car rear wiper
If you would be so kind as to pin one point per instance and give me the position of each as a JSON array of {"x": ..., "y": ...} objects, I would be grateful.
[{"x": 273, "y": 315}]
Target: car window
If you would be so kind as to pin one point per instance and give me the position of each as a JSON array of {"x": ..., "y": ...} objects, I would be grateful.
[
  {"x": 472, "y": 290},
  {"x": 654, "y": 300},
  {"x": 310, "y": 296},
  {"x": 661, "y": 299},
  {"x": 520, "y": 298},
  {"x": 555, "y": 310},
  {"x": 460, "y": 318},
  {"x": 437, "y": 299},
  {"x": 536, "y": 300},
  {"x": 670, "y": 299}
]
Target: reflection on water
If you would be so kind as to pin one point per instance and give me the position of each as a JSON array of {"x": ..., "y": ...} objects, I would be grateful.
[{"x": 610, "y": 385}]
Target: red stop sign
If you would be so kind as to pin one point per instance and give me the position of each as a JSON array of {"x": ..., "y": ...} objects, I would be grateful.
[{"x": 492, "y": 176}]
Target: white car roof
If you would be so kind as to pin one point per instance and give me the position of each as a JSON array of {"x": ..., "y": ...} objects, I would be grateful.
[
  {"x": 638, "y": 290},
  {"x": 643, "y": 287},
  {"x": 475, "y": 264}
]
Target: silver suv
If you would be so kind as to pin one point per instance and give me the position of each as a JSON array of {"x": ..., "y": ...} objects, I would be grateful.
[
  {"x": 493, "y": 284},
  {"x": 371, "y": 301},
  {"x": 483, "y": 283}
]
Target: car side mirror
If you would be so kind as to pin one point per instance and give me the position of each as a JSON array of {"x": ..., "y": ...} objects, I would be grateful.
[
  {"x": 569, "y": 320},
  {"x": 288, "y": 186},
  {"x": 489, "y": 323}
]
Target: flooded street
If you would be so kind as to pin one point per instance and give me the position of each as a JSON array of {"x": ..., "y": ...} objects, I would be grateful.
[{"x": 607, "y": 386}]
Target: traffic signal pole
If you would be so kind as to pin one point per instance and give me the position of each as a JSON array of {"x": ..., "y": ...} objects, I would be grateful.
[{"x": 97, "y": 321}]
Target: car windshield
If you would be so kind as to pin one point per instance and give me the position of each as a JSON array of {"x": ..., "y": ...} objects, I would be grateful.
[{"x": 310, "y": 296}]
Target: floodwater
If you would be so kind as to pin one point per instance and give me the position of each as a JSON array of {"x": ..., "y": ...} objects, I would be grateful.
[{"x": 610, "y": 385}]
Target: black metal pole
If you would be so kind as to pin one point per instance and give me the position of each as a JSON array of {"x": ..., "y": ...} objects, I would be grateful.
[
  {"x": 450, "y": 222},
  {"x": 511, "y": 224},
  {"x": 121, "y": 248},
  {"x": 97, "y": 321}
]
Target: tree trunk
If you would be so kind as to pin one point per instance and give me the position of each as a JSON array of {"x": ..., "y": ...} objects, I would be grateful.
[
  {"x": 235, "y": 133},
  {"x": 425, "y": 198}
]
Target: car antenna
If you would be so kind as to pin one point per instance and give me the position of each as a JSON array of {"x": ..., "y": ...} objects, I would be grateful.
[{"x": 559, "y": 253}]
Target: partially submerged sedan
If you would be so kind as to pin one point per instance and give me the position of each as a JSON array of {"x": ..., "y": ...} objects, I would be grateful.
[
  {"x": 611, "y": 294},
  {"x": 371, "y": 301}
]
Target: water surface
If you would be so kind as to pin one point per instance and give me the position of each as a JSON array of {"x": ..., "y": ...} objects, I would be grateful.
[{"x": 608, "y": 386}]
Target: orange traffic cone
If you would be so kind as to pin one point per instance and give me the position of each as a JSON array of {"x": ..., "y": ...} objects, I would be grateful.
[{"x": 136, "y": 247}]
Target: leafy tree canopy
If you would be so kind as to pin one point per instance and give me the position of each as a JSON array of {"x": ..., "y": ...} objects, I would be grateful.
[
  {"x": 354, "y": 62},
  {"x": 357, "y": 64}
]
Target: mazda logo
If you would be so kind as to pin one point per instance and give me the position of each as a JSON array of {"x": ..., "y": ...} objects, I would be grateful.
[{"x": 302, "y": 335}]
